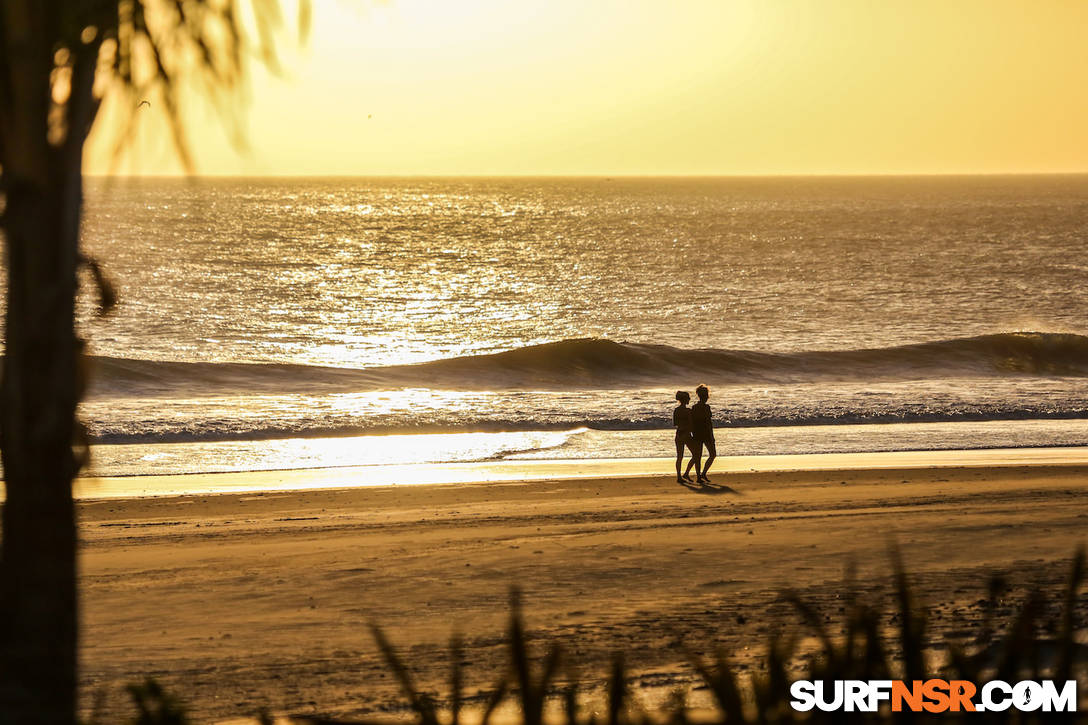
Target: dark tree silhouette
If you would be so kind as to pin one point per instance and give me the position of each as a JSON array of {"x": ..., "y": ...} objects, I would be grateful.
[{"x": 59, "y": 59}]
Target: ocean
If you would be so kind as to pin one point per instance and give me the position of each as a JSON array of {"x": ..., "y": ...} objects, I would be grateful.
[{"x": 287, "y": 323}]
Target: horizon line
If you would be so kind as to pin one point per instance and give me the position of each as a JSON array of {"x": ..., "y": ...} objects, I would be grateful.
[{"x": 593, "y": 175}]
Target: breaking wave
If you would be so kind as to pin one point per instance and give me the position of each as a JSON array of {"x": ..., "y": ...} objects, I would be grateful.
[{"x": 605, "y": 364}]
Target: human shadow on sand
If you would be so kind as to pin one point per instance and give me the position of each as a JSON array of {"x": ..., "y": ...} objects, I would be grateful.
[{"x": 710, "y": 488}]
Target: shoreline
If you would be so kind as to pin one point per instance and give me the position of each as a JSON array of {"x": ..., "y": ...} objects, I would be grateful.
[{"x": 512, "y": 470}]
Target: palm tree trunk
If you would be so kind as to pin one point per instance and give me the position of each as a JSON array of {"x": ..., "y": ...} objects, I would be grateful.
[
  {"x": 38, "y": 397},
  {"x": 39, "y": 390}
]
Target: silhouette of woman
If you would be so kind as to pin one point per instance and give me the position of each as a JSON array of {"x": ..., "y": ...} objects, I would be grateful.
[{"x": 681, "y": 418}]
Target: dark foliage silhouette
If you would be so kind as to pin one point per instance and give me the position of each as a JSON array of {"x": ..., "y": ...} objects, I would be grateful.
[{"x": 59, "y": 60}]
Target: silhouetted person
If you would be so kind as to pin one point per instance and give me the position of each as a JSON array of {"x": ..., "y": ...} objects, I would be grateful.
[
  {"x": 702, "y": 434},
  {"x": 681, "y": 418}
]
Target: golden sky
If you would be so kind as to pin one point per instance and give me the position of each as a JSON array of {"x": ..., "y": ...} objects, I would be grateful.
[{"x": 656, "y": 87}]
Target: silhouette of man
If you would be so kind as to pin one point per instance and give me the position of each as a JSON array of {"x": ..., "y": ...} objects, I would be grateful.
[{"x": 702, "y": 435}]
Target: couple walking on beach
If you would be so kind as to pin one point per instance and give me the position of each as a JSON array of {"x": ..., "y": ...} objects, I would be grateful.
[{"x": 694, "y": 430}]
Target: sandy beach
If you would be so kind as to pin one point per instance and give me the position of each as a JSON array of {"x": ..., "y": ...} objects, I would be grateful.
[{"x": 243, "y": 600}]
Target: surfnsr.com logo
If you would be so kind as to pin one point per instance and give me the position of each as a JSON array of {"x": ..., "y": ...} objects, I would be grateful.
[{"x": 933, "y": 696}]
